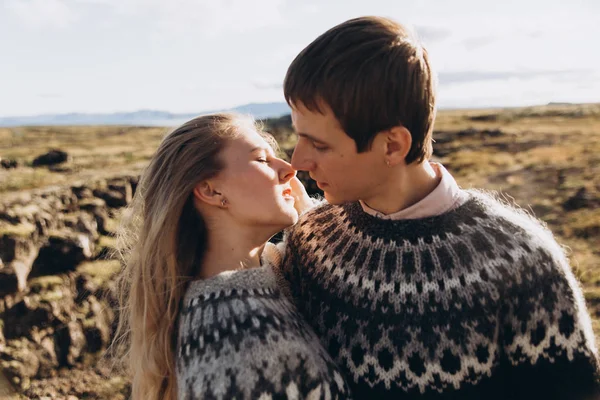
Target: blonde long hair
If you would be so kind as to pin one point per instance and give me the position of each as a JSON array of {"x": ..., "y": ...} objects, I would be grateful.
[{"x": 161, "y": 242}]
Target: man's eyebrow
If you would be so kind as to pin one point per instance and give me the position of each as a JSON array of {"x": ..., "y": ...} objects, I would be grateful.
[{"x": 310, "y": 137}]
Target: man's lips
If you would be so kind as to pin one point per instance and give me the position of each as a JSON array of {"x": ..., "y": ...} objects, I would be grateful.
[{"x": 319, "y": 183}]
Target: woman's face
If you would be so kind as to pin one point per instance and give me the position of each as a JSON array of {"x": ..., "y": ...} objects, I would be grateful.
[{"x": 256, "y": 184}]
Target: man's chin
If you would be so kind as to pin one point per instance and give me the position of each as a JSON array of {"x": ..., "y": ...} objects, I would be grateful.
[{"x": 331, "y": 199}]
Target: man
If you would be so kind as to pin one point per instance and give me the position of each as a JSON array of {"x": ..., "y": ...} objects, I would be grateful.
[{"x": 419, "y": 289}]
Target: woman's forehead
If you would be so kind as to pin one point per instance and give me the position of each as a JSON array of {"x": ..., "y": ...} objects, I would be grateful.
[{"x": 249, "y": 140}]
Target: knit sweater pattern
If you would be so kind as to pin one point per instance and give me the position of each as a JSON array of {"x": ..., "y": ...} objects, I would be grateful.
[
  {"x": 476, "y": 303},
  {"x": 240, "y": 338}
]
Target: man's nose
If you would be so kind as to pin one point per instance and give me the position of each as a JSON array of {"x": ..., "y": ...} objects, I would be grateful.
[{"x": 301, "y": 161}]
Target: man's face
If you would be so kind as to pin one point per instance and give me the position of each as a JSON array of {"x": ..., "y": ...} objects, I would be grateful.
[{"x": 331, "y": 158}]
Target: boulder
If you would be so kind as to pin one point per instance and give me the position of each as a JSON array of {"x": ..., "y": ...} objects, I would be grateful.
[
  {"x": 82, "y": 222},
  {"x": 134, "y": 180},
  {"x": 97, "y": 326},
  {"x": 82, "y": 192},
  {"x": 123, "y": 186},
  {"x": 20, "y": 363},
  {"x": 97, "y": 207},
  {"x": 27, "y": 314},
  {"x": 70, "y": 342},
  {"x": 62, "y": 252},
  {"x": 581, "y": 199},
  {"x": 18, "y": 251},
  {"x": 7, "y": 163},
  {"x": 53, "y": 157},
  {"x": 113, "y": 198},
  {"x": 48, "y": 358}
]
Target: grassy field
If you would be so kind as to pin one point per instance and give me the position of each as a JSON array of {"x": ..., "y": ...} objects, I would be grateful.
[{"x": 539, "y": 156}]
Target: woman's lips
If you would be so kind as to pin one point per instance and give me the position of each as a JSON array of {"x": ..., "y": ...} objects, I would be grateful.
[
  {"x": 287, "y": 194},
  {"x": 321, "y": 185}
]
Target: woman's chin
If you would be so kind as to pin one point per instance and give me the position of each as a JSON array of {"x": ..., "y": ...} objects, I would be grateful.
[{"x": 289, "y": 217}]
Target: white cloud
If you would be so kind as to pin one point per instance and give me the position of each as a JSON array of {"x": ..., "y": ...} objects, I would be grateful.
[
  {"x": 42, "y": 13},
  {"x": 518, "y": 92},
  {"x": 176, "y": 17}
]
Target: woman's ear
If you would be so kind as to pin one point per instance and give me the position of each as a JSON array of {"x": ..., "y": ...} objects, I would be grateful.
[
  {"x": 206, "y": 193},
  {"x": 398, "y": 142}
]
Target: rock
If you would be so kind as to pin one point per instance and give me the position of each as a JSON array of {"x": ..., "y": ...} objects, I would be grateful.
[
  {"x": 97, "y": 207},
  {"x": 48, "y": 359},
  {"x": 52, "y": 157},
  {"x": 2, "y": 338},
  {"x": 26, "y": 314},
  {"x": 493, "y": 132},
  {"x": 9, "y": 216},
  {"x": 45, "y": 284},
  {"x": 9, "y": 281},
  {"x": 18, "y": 251},
  {"x": 15, "y": 241},
  {"x": 470, "y": 132},
  {"x": 85, "y": 286},
  {"x": 122, "y": 186},
  {"x": 41, "y": 213},
  {"x": 70, "y": 342},
  {"x": 7, "y": 391},
  {"x": 8, "y": 163},
  {"x": 82, "y": 222},
  {"x": 69, "y": 201},
  {"x": 485, "y": 117},
  {"x": 62, "y": 168},
  {"x": 97, "y": 327},
  {"x": 63, "y": 251},
  {"x": 20, "y": 363},
  {"x": 82, "y": 192},
  {"x": 113, "y": 198},
  {"x": 44, "y": 222},
  {"x": 581, "y": 199},
  {"x": 134, "y": 181}
]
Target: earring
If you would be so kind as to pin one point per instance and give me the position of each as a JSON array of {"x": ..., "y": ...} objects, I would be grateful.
[
  {"x": 387, "y": 162},
  {"x": 224, "y": 202}
]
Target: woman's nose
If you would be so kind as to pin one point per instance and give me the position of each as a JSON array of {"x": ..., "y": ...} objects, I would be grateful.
[{"x": 286, "y": 173}]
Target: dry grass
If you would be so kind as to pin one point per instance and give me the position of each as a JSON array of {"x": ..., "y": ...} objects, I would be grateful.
[{"x": 95, "y": 151}]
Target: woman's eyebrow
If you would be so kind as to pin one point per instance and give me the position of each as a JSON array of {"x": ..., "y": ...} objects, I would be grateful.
[{"x": 259, "y": 148}]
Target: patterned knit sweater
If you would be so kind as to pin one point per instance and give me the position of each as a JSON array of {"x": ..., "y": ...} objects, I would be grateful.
[
  {"x": 477, "y": 303},
  {"x": 239, "y": 338}
]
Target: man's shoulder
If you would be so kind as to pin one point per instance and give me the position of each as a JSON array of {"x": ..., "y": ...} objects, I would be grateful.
[
  {"x": 530, "y": 234},
  {"x": 504, "y": 213},
  {"x": 317, "y": 214},
  {"x": 315, "y": 220}
]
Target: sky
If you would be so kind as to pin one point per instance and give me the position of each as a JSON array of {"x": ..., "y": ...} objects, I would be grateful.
[{"x": 186, "y": 56}]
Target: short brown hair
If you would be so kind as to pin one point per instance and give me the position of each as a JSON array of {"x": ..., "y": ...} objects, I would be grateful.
[{"x": 374, "y": 75}]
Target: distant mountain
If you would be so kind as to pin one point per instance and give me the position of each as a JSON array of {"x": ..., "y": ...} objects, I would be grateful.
[{"x": 141, "y": 117}]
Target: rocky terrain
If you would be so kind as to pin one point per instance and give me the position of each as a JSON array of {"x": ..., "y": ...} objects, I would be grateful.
[
  {"x": 57, "y": 301},
  {"x": 62, "y": 191}
]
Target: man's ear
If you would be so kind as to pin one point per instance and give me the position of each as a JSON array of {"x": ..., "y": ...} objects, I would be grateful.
[
  {"x": 398, "y": 142},
  {"x": 205, "y": 192}
]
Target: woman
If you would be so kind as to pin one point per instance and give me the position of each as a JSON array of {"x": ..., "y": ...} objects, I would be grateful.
[{"x": 201, "y": 307}]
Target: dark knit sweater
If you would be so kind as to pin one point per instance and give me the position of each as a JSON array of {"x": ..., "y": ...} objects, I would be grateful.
[
  {"x": 240, "y": 338},
  {"x": 477, "y": 303}
]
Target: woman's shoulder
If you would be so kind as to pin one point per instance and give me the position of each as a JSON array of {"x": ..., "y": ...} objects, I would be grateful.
[{"x": 246, "y": 335}]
